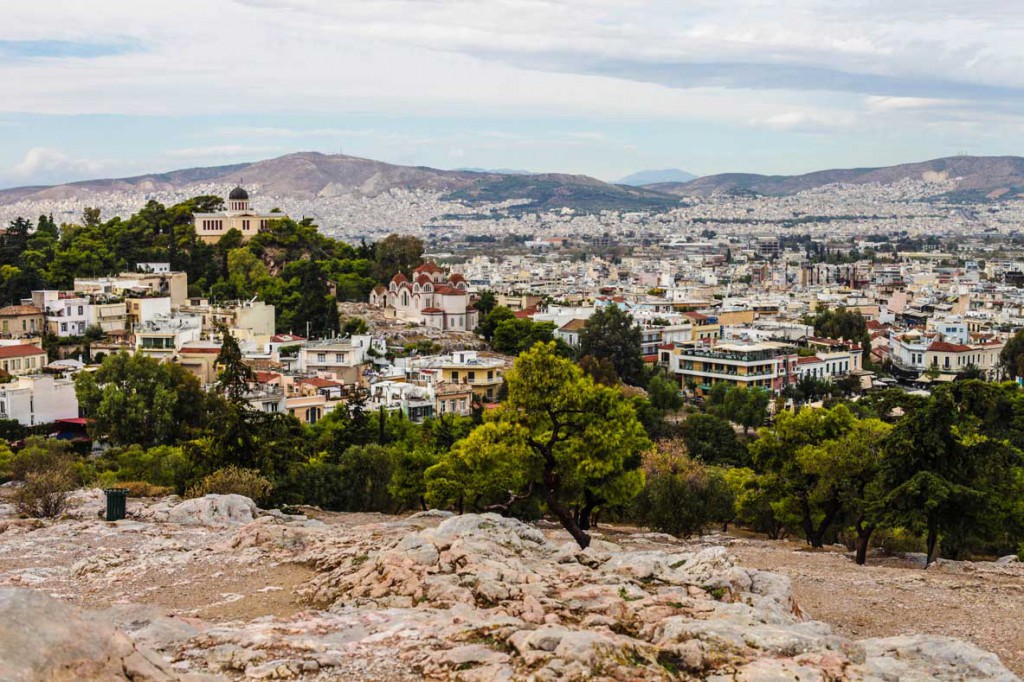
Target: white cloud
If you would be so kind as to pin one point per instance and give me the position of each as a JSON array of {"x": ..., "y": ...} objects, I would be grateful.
[
  {"x": 44, "y": 165},
  {"x": 805, "y": 121},
  {"x": 804, "y": 66}
]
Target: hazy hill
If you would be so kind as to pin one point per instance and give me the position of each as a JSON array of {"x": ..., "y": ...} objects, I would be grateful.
[
  {"x": 978, "y": 178},
  {"x": 312, "y": 174},
  {"x": 650, "y": 177}
]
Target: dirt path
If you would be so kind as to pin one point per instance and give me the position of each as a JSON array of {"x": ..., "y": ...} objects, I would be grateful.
[{"x": 982, "y": 603}]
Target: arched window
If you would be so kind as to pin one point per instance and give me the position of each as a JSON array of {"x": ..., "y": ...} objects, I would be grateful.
[{"x": 405, "y": 298}]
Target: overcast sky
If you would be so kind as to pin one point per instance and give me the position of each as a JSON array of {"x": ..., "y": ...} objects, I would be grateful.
[{"x": 103, "y": 88}]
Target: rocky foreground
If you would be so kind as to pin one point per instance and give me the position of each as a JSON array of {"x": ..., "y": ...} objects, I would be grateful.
[{"x": 214, "y": 589}]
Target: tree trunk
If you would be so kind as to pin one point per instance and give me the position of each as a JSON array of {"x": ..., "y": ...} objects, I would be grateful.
[
  {"x": 816, "y": 535},
  {"x": 587, "y": 509},
  {"x": 551, "y": 485},
  {"x": 933, "y": 540},
  {"x": 863, "y": 536}
]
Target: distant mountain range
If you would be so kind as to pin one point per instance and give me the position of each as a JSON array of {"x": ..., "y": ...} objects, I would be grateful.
[
  {"x": 650, "y": 177},
  {"x": 312, "y": 174},
  {"x": 978, "y": 178}
]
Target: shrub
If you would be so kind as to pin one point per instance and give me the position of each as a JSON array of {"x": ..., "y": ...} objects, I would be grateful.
[
  {"x": 358, "y": 481},
  {"x": 682, "y": 496},
  {"x": 897, "y": 541},
  {"x": 39, "y": 454},
  {"x": 144, "y": 488},
  {"x": 44, "y": 494},
  {"x": 161, "y": 466},
  {"x": 233, "y": 480}
]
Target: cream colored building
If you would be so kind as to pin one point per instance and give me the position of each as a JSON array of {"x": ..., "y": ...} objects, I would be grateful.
[{"x": 210, "y": 227}]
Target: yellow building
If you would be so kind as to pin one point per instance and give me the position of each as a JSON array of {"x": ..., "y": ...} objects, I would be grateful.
[{"x": 210, "y": 227}]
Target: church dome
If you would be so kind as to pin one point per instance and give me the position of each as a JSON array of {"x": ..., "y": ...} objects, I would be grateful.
[{"x": 238, "y": 194}]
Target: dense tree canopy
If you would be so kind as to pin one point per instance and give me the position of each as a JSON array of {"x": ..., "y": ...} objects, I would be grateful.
[
  {"x": 134, "y": 399},
  {"x": 612, "y": 334},
  {"x": 559, "y": 434}
]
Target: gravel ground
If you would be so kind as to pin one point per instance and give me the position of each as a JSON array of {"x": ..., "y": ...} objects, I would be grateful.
[{"x": 979, "y": 602}]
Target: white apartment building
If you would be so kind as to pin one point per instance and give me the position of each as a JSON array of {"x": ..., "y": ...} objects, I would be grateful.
[
  {"x": 829, "y": 366},
  {"x": 38, "y": 399},
  {"x": 164, "y": 336},
  {"x": 147, "y": 309},
  {"x": 915, "y": 352},
  {"x": 342, "y": 358},
  {"x": 67, "y": 313}
]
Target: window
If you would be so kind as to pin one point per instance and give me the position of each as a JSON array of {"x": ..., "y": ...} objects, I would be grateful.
[
  {"x": 455, "y": 375},
  {"x": 490, "y": 374},
  {"x": 321, "y": 357},
  {"x": 81, "y": 310},
  {"x": 339, "y": 357},
  {"x": 64, "y": 327},
  {"x": 6, "y": 329},
  {"x": 471, "y": 376}
]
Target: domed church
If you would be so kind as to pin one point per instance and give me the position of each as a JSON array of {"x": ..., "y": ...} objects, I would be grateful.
[{"x": 210, "y": 227}]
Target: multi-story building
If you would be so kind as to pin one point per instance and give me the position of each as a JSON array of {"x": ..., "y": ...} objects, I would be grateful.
[
  {"x": 210, "y": 227},
  {"x": 109, "y": 316},
  {"x": 255, "y": 317},
  {"x": 67, "y": 313},
  {"x": 829, "y": 365},
  {"x": 159, "y": 282},
  {"x": 483, "y": 375},
  {"x": 345, "y": 359},
  {"x": 147, "y": 309},
  {"x": 38, "y": 399},
  {"x": 21, "y": 359},
  {"x": 915, "y": 352},
  {"x": 165, "y": 336},
  {"x": 767, "y": 365},
  {"x": 20, "y": 321}
]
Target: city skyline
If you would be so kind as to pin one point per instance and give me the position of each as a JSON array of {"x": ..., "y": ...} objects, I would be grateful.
[{"x": 600, "y": 88}]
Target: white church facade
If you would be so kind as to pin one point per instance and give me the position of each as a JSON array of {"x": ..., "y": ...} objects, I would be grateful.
[{"x": 432, "y": 298}]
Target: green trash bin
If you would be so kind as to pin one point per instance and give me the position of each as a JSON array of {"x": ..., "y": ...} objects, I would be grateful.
[{"x": 117, "y": 502}]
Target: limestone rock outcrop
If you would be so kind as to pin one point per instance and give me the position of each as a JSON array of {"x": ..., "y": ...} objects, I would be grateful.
[{"x": 433, "y": 595}]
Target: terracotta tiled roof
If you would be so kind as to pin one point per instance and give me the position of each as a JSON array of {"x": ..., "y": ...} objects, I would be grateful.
[
  {"x": 943, "y": 347},
  {"x": 431, "y": 311},
  {"x": 428, "y": 267},
  {"x": 16, "y": 310},
  {"x": 573, "y": 325},
  {"x": 286, "y": 338},
  {"x": 445, "y": 290},
  {"x": 20, "y": 351},
  {"x": 317, "y": 382}
]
